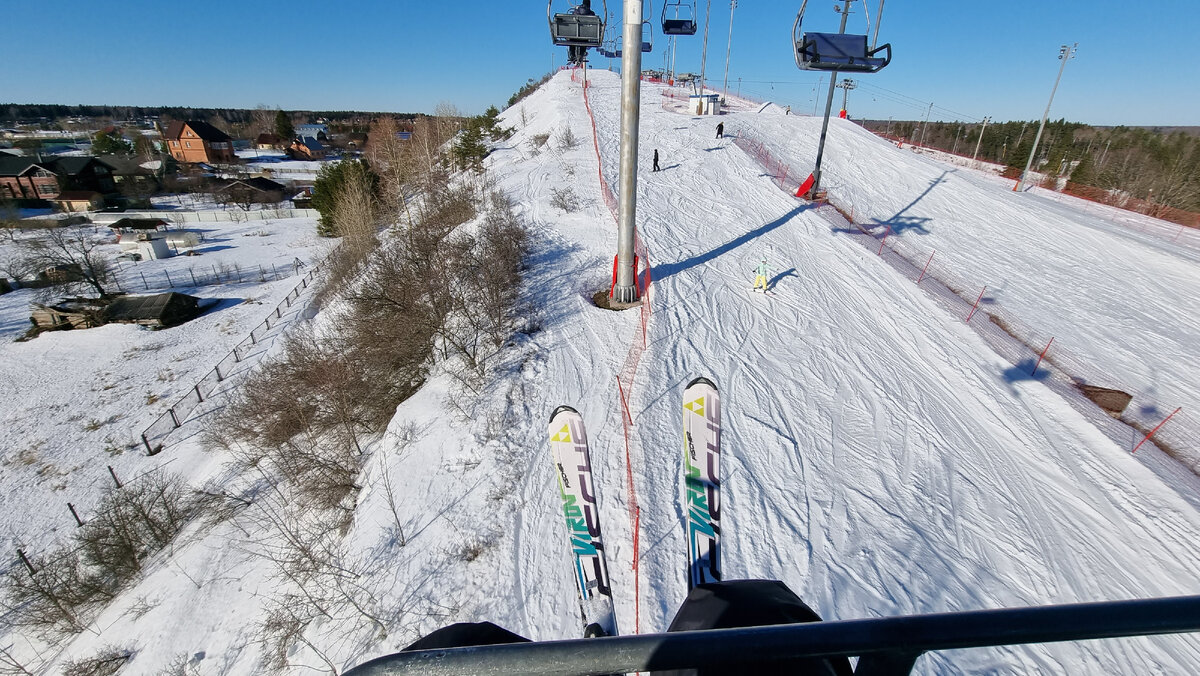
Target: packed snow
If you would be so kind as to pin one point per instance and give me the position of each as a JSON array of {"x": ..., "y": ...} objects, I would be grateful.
[{"x": 877, "y": 459}]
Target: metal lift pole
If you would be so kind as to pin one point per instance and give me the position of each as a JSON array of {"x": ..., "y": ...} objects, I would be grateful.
[
  {"x": 704, "y": 53},
  {"x": 980, "y": 141},
  {"x": 625, "y": 290},
  {"x": 828, "y": 107},
  {"x": 728, "y": 47},
  {"x": 1064, "y": 53}
]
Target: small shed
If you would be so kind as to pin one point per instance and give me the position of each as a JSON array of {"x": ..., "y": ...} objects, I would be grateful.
[
  {"x": 71, "y": 313},
  {"x": 132, "y": 225},
  {"x": 59, "y": 274},
  {"x": 73, "y": 201},
  {"x": 159, "y": 310},
  {"x": 705, "y": 104},
  {"x": 148, "y": 245}
]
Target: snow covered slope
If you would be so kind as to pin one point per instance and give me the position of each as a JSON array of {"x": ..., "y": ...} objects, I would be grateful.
[
  {"x": 877, "y": 459},
  {"x": 1122, "y": 305}
]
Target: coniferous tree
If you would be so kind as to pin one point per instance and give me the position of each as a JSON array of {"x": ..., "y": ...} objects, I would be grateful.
[{"x": 283, "y": 126}]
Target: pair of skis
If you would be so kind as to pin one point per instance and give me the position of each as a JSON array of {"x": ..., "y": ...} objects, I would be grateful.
[{"x": 701, "y": 495}]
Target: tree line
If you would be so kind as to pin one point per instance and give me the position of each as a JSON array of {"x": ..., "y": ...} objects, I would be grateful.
[{"x": 1157, "y": 165}]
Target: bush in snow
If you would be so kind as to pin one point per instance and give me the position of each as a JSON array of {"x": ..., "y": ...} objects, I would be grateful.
[{"x": 130, "y": 524}]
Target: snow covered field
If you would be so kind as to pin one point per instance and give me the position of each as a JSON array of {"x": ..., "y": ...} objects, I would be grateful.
[
  {"x": 877, "y": 459},
  {"x": 77, "y": 401}
]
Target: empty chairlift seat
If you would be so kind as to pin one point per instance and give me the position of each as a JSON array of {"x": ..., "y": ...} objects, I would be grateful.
[
  {"x": 678, "y": 27},
  {"x": 841, "y": 52}
]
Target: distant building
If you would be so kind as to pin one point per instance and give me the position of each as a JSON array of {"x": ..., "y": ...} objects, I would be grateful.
[
  {"x": 73, "y": 201},
  {"x": 270, "y": 142},
  {"x": 25, "y": 178},
  {"x": 306, "y": 148},
  {"x": 31, "y": 178},
  {"x": 194, "y": 141},
  {"x": 317, "y": 131},
  {"x": 256, "y": 190}
]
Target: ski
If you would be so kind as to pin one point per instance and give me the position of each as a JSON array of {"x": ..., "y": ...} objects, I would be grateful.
[
  {"x": 702, "y": 480},
  {"x": 573, "y": 465}
]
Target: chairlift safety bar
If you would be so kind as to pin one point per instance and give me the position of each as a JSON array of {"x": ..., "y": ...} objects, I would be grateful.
[{"x": 887, "y": 646}]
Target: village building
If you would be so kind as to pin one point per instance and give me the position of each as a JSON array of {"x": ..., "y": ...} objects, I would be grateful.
[
  {"x": 75, "y": 201},
  {"x": 306, "y": 148},
  {"x": 30, "y": 178},
  {"x": 270, "y": 142},
  {"x": 195, "y": 141}
]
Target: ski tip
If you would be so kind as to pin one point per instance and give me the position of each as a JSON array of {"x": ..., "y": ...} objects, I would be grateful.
[
  {"x": 702, "y": 380},
  {"x": 560, "y": 409}
]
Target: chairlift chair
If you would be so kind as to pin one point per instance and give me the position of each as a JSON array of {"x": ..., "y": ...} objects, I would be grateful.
[
  {"x": 568, "y": 29},
  {"x": 611, "y": 49},
  {"x": 845, "y": 52},
  {"x": 647, "y": 30},
  {"x": 677, "y": 26}
]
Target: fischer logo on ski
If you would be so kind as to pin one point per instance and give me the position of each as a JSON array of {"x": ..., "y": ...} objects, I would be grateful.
[
  {"x": 572, "y": 460},
  {"x": 702, "y": 480}
]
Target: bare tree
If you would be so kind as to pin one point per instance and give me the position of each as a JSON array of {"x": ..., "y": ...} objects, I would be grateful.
[
  {"x": 356, "y": 212},
  {"x": 390, "y": 157},
  {"x": 10, "y": 219},
  {"x": 262, "y": 120},
  {"x": 74, "y": 255}
]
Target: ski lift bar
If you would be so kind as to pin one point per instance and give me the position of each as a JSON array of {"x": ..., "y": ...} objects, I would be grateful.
[
  {"x": 836, "y": 51},
  {"x": 887, "y": 646}
]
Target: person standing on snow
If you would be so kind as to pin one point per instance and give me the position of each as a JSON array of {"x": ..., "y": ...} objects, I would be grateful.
[
  {"x": 656, "y": 159},
  {"x": 760, "y": 275},
  {"x": 720, "y": 130}
]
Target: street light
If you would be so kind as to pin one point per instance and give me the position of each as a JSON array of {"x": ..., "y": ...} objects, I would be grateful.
[{"x": 1064, "y": 53}]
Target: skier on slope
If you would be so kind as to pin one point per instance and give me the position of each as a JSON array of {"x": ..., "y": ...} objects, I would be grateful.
[
  {"x": 720, "y": 130},
  {"x": 656, "y": 159},
  {"x": 761, "y": 272}
]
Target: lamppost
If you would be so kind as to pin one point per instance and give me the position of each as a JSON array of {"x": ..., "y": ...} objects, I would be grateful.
[{"x": 1064, "y": 53}]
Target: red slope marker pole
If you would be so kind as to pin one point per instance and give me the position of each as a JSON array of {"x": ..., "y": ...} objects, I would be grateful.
[
  {"x": 1040, "y": 357},
  {"x": 1164, "y": 422},
  {"x": 881, "y": 242},
  {"x": 926, "y": 266},
  {"x": 976, "y": 307}
]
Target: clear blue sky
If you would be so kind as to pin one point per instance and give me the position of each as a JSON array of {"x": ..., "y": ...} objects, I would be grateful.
[{"x": 1137, "y": 63}]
